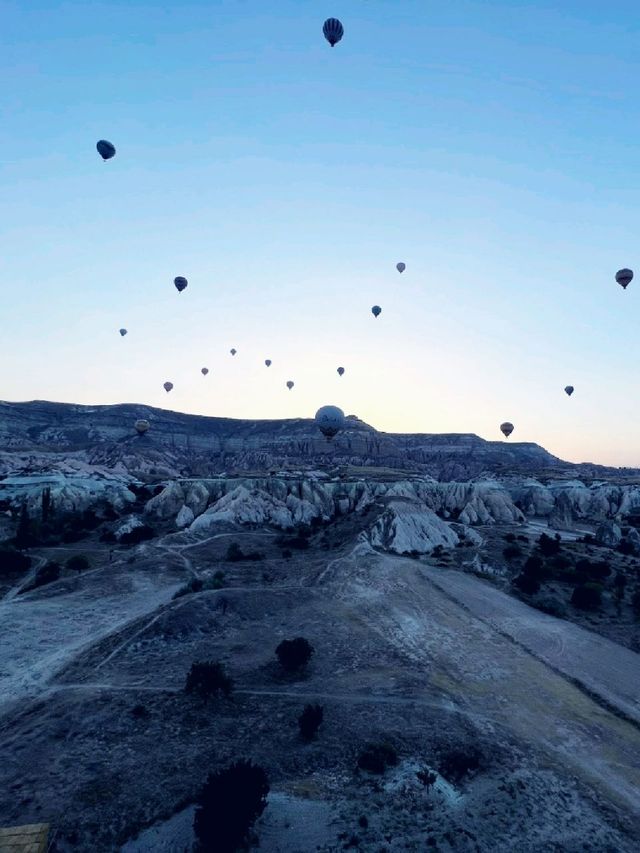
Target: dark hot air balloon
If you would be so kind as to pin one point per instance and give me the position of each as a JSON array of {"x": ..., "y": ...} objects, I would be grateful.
[
  {"x": 168, "y": 386},
  {"x": 506, "y": 428},
  {"x": 624, "y": 276},
  {"x": 204, "y": 371},
  {"x": 123, "y": 332},
  {"x": 105, "y": 149},
  {"x": 180, "y": 283},
  {"x": 267, "y": 361},
  {"x": 569, "y": 389},
  {"x": 333, "y": 31},
  {"x": 376, "y": 310},
  {"x": 290, "y": 385},
  {"x": 401, "y": 267}
]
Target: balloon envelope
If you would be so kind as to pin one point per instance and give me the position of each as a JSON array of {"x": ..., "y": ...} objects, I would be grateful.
[
  {"x": 268, "y": 362},
  {"x": 569, "y": 389},
  {"x": 233, "y": 351},
  {"x": 333, "y": 31},
  {"x": 123, "y": 332},
  {"x": 180, "y": 283},
  {"x": 624, "y": 276},
  {"x": 401, "y": 267},
  {"x": 290, "y": 385},
  {"x": 340, "y": 371},
  {"x": 168, "y": 386},
  {"x": 141, "y": 426},
  {"x": 506, "y": 428},
  {"x": 329, "y": 420},
  {"x": 106, "y": 149},
  {"x": 204, "y": 371},
  {"x": 376, "y": 310}
]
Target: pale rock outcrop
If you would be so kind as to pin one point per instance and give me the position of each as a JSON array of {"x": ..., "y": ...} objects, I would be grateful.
[
  {"x": 168, "y": 503},
  {"x": 244, "y": 506},
  {"x": 463, "y": 532},
  {"x": 128, "y": 525},
  {"x": 197, "y": 498},
  {"x": 489, "y": 502},
  {"x": 561, "y": 516},
  {"x": 609, "y": 533},
  {"x": 405, "y": 527},
  {"x": 185, "y": 517}
]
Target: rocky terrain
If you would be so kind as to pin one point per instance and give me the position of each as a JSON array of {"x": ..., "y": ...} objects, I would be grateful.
[{"x": 443, "y": 622}]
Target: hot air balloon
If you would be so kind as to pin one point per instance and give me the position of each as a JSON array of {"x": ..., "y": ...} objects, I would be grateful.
[
  {"x": 624, "y": 276},
  {"x": 506, "y": 428},
  {"x": 290, "y": 385},
  {"x": 233, "y": 351},
  {"x": 168, "y": 386},
  {"x": 105, "y": 149},
  {"x": 180, "y": 283},
  {"x": 123, "y": 332},
  {"x": 204, "y": 371},
  {"x": 268, "y": 362},
  {"x": 376, "y": 310},
  {"x": 329, "y": 420},
  {"x": 340, "y": 371},
  {"x": 333, "y": 31},
  {"x": 569, "y": 389},
  {"x": 401, "y": 267},
  {"x": 141, "y": 426}
]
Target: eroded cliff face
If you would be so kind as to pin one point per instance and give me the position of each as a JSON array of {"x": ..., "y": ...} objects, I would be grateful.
[{"x": 181, "y": 445}]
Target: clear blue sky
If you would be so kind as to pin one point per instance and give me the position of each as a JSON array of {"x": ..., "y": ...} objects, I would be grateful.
[{"x": 492, "y": 147}]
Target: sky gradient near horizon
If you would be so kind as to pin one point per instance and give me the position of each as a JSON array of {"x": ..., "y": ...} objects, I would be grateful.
[{"x": 492, "y": 147}]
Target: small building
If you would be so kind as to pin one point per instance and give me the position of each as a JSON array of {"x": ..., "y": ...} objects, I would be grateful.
[{"x": 30, "y": 838}]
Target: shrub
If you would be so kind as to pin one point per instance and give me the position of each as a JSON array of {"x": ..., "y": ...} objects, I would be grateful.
[
  {"x": 548, "y": 546},
  {"x": 287, "y": 554},
  {"x": 363, "y": 821},
  {"x": 309, "y": 721},
  {"x": 78, "y": 563},
  {"x": 235, "y": 554},
  {"x": 458, "y": 763},
  {"x": 376, "y": 757},
  {"x": 138, "y": 534},
  {"x": 599, "y": 571},
  {"x": 140, "y": 712},
  {"x": 587, "y": 597},
  {"x": 527, "y": 584},
  {"x": 635, "y": 601},
  {"x": 626, "y": 547},
  {"x": 522, "y": 538},
  {"x": 208, "y": 678},
  {"x": 47, "y": 574},
  {"x": 619, "y": 584},
  {"x": 511, "y": 552},
  {"x": 228, "y": 805},
  {"x": 509, "y": 537},
  {"x": 13, "y": 561},
  {"x": 194, "y": 585},
  {"x": 294, "y": 654},
  {"x": 217, "y": 581}
]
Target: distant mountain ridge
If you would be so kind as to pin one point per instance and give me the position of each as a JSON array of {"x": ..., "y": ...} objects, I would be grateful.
[{"x": 197, "y": 445}]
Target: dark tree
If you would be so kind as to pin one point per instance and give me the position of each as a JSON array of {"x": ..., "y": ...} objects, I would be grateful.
[
  {"x": 234, "y": 553},
  {"x": 619, "y": 584},
  {"x": 23, "y": 533},
  {"x": 427, "y": 777},
  {"x": 309, "y": 721},
  {"x": 635, "y": 602},
  {"x": 511, "y": 552},
  {"x": 46, "y": 504},
  {"x": 294, "y": 654},
  {"x": 455, "y": 765},
  {"x": 228, "y": 805},
  {"x": 548, "y": 546},
  {"x": 587, "y": 597},
  {"x": 208, "y": 678}
]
